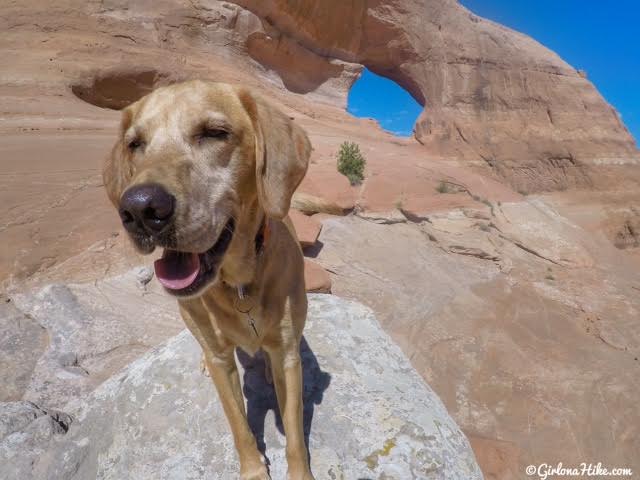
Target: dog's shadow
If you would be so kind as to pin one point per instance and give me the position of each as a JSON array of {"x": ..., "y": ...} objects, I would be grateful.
[{"x": 261, "y": 396}]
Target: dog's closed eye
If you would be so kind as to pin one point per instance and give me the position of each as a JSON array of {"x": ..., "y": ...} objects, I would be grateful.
[
  {"x": 215, "y": 133},
  {"x": 135, "y": 144}
]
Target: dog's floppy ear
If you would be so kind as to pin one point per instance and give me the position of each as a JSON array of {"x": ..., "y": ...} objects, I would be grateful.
[
  {"x": 118, "y": 169},
  {"x": 282, "y": 155}
]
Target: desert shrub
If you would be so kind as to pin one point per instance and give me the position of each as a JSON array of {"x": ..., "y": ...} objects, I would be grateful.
[
  {"x": 400, "y": 201},
  {"x": 351, "y": 162},
  {"x": 443, "y": 187}
]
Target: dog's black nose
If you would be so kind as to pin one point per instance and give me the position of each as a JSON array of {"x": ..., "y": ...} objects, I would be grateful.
[{"x": 148, "y": 207}]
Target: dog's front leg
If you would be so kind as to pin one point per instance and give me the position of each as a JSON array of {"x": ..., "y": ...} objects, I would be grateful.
[
  {"x": 224, "y": 372},
  {"x": 287, "y": 376}
]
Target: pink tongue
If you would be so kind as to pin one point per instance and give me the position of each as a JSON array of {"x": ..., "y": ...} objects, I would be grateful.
[{"x": 177, "y": 270}]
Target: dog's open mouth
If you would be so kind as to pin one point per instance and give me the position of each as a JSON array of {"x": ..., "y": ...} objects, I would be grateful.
[{"x": 185, "y": 273}]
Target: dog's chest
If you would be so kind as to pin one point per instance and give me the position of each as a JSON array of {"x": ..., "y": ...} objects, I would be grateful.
[
  {"x": 243, "y": 330},
  {"x": 238, "y": 323}
]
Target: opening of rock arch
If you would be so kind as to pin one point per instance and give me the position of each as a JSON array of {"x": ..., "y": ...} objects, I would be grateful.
[{"x": 377, "y": 97}]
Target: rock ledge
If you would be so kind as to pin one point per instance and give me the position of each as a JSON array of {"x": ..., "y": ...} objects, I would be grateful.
[{"x": 368, "y": 412}]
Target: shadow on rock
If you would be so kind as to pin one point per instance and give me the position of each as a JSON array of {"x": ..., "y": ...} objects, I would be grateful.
[
  {"x": 313, "y": 251},
  {"x": 261, "y": 396}
]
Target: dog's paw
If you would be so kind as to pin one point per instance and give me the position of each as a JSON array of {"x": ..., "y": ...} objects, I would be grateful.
[
  {"x": 254, "y": 468},
  {"x": 203, "y": 366}
]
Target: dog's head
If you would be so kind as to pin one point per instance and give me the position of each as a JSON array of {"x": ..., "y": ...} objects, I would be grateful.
[{"x": 194, "y": 166}]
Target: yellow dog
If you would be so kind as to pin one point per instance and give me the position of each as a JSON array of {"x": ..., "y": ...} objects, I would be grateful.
[{"x": 206, "y": 171}]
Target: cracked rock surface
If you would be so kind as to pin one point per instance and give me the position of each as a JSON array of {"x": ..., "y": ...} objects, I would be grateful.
[
  {"x": 525, "y": 323},
  {"x": 92, "y": 331},
  {"x": 368, "y": 414}
]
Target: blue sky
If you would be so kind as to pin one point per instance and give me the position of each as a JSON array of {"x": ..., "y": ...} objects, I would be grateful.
[
  {"x": 601, "y": 38},
  {"x": 373, "y": 96}
]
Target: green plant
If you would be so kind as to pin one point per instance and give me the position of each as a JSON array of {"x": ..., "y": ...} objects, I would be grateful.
[
  {"x": 351, "y": 162},
  {"x": 443, "y": 187}
]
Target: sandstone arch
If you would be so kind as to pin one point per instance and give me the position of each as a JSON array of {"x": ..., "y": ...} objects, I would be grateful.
[{"x": 491, "y": 94}]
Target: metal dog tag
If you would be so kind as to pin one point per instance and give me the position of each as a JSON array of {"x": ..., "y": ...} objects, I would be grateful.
[
  {"x": 250, "y": 320},
  {"x": 252, "y": 324},
  {"x": 241, "y": 293}
]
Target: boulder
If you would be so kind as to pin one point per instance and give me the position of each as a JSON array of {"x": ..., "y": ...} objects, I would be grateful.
[
  {"x": 22, "y": 342},
  {"x": 316, "y": 278},
  {"x": 307, "y": 228},
  {"x": 367, "y": 414},
  {"x": 80, "y": 335}
]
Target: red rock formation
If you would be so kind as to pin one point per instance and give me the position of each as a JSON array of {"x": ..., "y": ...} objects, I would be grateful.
[
  {"x": 492, "y": 96},
  {"x": 490, "y": 93}
]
